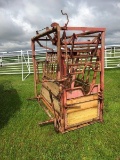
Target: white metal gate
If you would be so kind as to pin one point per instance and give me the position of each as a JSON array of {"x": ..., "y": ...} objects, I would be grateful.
[
  {"x": 19, "y": 62},
  {"x": 112, "y": 56}
]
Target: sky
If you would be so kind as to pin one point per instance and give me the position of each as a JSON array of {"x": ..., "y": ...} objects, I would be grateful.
[{"x": 19, "y": 19}]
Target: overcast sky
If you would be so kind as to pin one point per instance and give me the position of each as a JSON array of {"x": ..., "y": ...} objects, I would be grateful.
[{"x": 19, "y": 19}]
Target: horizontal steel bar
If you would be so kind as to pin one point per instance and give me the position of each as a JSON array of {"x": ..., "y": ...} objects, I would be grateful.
[
  {"x": 92, "y": 29},
  {"x": 51, "y": 30}
]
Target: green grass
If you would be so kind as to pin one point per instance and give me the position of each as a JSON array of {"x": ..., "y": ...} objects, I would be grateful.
[{"x": 22, "y": 139}]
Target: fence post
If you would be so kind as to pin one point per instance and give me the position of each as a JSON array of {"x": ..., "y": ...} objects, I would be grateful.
[
  {"x": 22, "y": 63},
  {"x": 28, "y": 62},
  {"x": 105, "y": 58},
  {"x": 114, "y": 51}
]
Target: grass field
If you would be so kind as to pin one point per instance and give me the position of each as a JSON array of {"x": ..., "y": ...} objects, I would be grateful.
[{"x": 22, "y": 139}]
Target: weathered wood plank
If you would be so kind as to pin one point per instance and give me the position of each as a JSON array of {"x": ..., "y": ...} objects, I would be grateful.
[
  {"x": 53, "y": 87},
  {"x": 45, "y": 93},
  {"x": 82, "y": 106},
  {"x": 56, "y": 104},
  {"x": 82, "y": 99},
  {"x": 82, "y": 116}
]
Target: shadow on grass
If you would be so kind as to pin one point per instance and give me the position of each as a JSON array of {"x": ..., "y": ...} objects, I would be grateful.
[{"x": 9, "y": 102}]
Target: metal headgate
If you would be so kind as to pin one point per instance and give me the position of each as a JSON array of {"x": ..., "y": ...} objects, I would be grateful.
[{"x": 72, "y": 82}]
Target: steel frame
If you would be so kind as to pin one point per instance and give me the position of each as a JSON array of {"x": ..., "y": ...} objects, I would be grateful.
[{"x": 72, "y": 83}]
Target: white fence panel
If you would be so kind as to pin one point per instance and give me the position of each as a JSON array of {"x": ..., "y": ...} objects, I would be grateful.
[
  {"x": 20, "y": 62},
  {"x": 112, "y": 57}
]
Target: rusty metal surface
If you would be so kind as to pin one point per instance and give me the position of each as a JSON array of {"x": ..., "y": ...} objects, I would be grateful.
[{"x": 74, "y": 67}]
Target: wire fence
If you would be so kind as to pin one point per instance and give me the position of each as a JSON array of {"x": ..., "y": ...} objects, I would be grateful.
[{"x": 20, "y": 62}]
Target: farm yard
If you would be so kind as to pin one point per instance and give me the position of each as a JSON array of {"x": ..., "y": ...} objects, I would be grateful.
[{"x": 21, "y": 137}]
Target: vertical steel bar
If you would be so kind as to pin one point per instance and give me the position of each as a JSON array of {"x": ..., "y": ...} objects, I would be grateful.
[
  {"x": 102, "y": 74},
  {"x": 34, "y": 65},
  {"x": 64, "y": 109},
  {"x": 58, "y": 53}
]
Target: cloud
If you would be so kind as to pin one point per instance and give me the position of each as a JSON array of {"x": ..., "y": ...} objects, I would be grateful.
[
  {"x": 84, "y": 16},
  {"x": 20, "y": 19}
]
